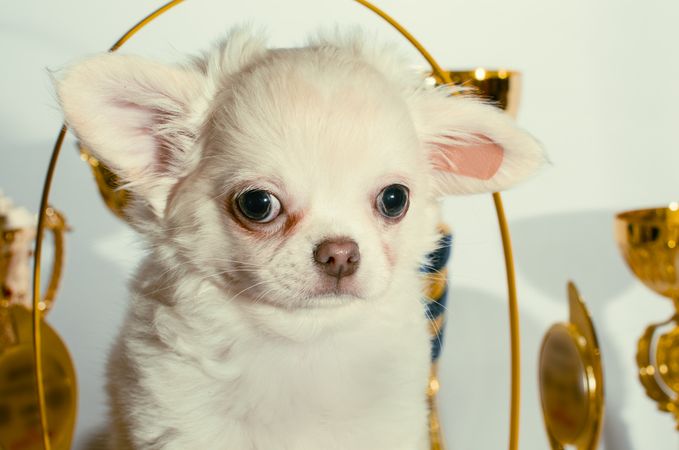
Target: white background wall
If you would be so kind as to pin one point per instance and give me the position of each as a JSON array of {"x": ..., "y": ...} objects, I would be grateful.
[{"x": 600, "y": 91}]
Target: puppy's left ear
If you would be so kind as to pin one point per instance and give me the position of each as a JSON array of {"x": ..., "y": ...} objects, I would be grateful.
[{"x": 473, "y": 147}]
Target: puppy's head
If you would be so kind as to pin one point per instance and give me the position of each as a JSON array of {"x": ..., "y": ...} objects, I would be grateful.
[{"x": 297, "y": 177}]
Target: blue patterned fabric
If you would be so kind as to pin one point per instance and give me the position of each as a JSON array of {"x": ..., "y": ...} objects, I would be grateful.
[{"x": 437, "y": 291}]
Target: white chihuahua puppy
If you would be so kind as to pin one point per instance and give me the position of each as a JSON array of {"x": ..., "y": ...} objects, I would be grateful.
[{"x": 289, "y": 198}]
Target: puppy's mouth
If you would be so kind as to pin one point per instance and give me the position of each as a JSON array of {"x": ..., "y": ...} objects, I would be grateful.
[
  {"x": 335, "y": 287},
  {"x": 334, "y": 293},
  {"x": 325, "y": 291}
]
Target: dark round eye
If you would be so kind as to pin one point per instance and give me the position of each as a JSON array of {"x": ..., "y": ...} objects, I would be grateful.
[
  {"x": 393, "y": 201},
  {"x": 258, "y": 205}
]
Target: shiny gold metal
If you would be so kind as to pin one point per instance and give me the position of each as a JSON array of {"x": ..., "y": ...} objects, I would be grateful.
[
  {"x": 648, "y": 241},
  {"x": 15, "y": 252},
  {"x": 571, "y": 380},
  {"x": 435, "y": 433},
  {"x": 19, "y": 411},
  {"x": 116, "y": 199},
  {"x": 501, "y": 87},
  {"x": 36, "y": 312},
  {"x": 435, "y": 283},
  {"x": 56, "y": 223},
  {"x": 658, "y": 365}
]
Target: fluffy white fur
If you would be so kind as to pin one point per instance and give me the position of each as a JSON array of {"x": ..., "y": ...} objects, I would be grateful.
[{"x": 228, "y": 344}]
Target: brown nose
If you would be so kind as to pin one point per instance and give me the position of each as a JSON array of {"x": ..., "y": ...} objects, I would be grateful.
[{"x": 337, "y": 257}]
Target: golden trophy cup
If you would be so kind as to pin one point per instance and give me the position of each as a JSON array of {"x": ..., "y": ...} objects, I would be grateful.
[
  {"x": 19, "y": 419},
  {"x": 648, "y": 240},
  {"x": 502, "y": 87}
]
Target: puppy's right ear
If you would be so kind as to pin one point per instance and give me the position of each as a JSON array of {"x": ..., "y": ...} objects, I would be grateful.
[{"x": 138, "y": 117}]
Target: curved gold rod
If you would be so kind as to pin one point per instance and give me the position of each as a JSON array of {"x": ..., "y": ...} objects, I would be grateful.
[
  {"x": 442, "y": 74},
  {"x": 42, "y": 215},
  {"x": 514, "y": 326},
  {"x": 143, "y": 22},
  {"x": 515, "y": 339},
  {"x": 37, "y": 312}
]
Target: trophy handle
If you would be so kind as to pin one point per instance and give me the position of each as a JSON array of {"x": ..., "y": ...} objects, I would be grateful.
[
  {"x": 649, "y": 375},
  {"x": 56, "y": 223}
]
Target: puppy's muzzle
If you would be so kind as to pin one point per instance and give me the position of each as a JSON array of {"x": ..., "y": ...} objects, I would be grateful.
[{"x": 337, "y": 257}]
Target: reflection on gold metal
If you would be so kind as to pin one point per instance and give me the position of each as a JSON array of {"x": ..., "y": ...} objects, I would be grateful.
[
  {"x": 19, "y": 419},
  {"x": 15, "y": 252},
  {"x": 501, "y": 87},
  {"x": 108, "y": 183},
  {"x": 19, "y": 412},
  {"x": 435, "y": 283},
  {"x": 435, "y": 274},
  {"x": 57, "y": 225},
  {"x": 435, "y": 434},
  {"x": 648, "y": 241},
  {"x": 571, "y": 380}
]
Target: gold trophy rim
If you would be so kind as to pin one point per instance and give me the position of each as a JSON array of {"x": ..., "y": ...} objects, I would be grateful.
[
  {"x": 661, "y": 217},
  {"x": 653, "y": 215},
  {"x": 488, "y": 73},
  {"x": 501, "y": 86}
]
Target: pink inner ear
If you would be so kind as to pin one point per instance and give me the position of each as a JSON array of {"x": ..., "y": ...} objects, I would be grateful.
[{"x": 477, "y": 160}]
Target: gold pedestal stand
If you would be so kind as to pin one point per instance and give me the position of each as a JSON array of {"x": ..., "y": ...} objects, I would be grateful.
[
  {"x": 571, "y": 380},
  {"x": 649, "y": 242}
]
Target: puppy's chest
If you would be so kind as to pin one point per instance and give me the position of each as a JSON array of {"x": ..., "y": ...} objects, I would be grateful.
[
  {"x": 365, "y": 367},
  {"x": 354, "y": 383},
  {"x": 332, "y": 376}
]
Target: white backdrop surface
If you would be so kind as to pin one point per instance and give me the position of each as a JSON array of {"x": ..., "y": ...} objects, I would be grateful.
[{"x": 600, "y": 92}]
